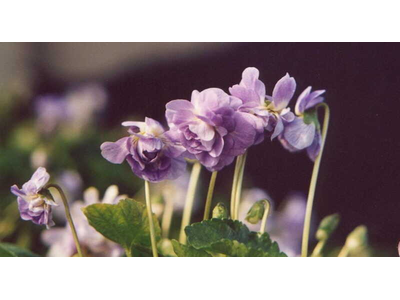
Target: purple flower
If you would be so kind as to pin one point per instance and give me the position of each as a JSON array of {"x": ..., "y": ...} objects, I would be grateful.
[
  {"x": 61, "y": 241},
  {"x": 152, "y": 153},
  {"x": 265, "y": 112},
  {"x": 304, "y": 132},
  {"x": 31, "y": 203},
  {"x": 210, "y": 127}
]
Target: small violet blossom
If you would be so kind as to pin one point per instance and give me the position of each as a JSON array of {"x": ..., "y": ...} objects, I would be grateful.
[
  {"x": 60, "y": 239},
  {"x": 265, "y": 112},
  {"x": 210, "y": 127},
  {"x": 153, "y": 154},
  {"x": 32, "y": 204},
  {"x": 304, "y": 132}
]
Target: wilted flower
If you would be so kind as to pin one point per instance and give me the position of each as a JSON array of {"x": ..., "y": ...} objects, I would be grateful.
[
  {"x": 210, "y": 127},
  {"x": 61, "y": 241},
  {"x": 265, "y": 112},
  {"x": 304, "y": 132},
  {"x": 33, "y": 203},
  {"x": 152, "y": 153}
]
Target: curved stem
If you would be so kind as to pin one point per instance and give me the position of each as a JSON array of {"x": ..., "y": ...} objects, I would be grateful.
[
  {"x": 265, "y": 216},
  {"x": 150, "y": 216},
  {"x": 318, "y": 249},
  {"x": 210, "y": 195},
  {"x": 239, "y": 185},
  {"x": 313, "y": 183},
  {"x": 236, "y": 176},
  {"x": 191, "y": 192},
  {"x": 167, "y": 218},
  {"x": 68, "y": 215}
]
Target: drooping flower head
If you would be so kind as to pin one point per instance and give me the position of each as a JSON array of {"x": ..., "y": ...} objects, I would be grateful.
[
  {"x": 152, "y": 153},
  {"x": 210, "y": 127},
  {"x": 33, "y": 204},
  {"x": 266, "y": 112},
  {"x": 61, "y": 241},
  {"x": 304, "y": 132}
]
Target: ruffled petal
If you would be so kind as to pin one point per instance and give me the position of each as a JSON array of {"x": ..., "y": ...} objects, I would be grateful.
[{"x": 116, "y": 152}]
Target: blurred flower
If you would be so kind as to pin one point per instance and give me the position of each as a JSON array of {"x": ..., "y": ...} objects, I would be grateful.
[
  {"x": 152, "y": 153},
  {"x": 74, "y": 111},
  {"x": 304, "y": 132},
  {"x": 39, "y": 158},
  {"x": 32, "y": 203},
  {"x": 72, "y": 182},
  {"x": 210, "y": 127},
  {"x": 270, "y": 114},
  {"x": 61, "y": 241},
  {"x": 285, "y": 225}
]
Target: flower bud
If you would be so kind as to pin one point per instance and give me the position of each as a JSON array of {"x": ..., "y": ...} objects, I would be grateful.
[
  {"x": 327, "y": 226},
  {"x": 256, "y": 212},
  {"x": 219, "y": 211},
  {"x": 358, "y": 238}
]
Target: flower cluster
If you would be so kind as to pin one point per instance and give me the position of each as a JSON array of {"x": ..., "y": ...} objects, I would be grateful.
[{"x": 215, "y": 127}]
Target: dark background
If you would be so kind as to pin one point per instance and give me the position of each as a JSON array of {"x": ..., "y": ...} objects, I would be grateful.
[{"x": 359, "y": 171}]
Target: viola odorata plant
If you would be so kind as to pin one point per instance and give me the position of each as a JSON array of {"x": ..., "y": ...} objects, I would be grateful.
[{"x": 209, "y": 132}]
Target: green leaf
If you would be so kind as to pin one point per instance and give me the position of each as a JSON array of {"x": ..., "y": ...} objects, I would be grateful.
[
  {"x": 10, "y": 250},
  {"x": 125, "y": 223},
  {"x": 202, "y": 235},
  {"x": 230, "y": 238},
  {"x": 187, "y": 251}
]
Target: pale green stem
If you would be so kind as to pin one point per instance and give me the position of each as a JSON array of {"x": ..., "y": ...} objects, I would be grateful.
[
  {"x": 210, "y": 195},
  {"x": 167, "y": 218},
  {"x": 313, "y": 184},
  {"x": 265, "y": 217},
  {"x": 344, "y": 252},
  {"x": 68, "y": 215},
  {"x": 236, "y": 176},
  {"x": 239, "y": 186},
  {"x": 190, "y": 195},
  {"x": 318, "y": 248},
  {"x": 150, "y": 216}
]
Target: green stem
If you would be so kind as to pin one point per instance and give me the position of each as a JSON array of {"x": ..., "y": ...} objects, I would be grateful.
[
  {"x": 167, "y": 218},
  {"x": 236, "y": 176},
  {"x": 191, "y": 192},
  {"x": 210, "y": 195},
  {"x": 239, "y": 186},
  {"x": 265, "y": 216},
  {"x": 150, "y": 216},
  {"x": 318, "y": 249},
  {"x": 313, "y": 183},
  {"x": 68, "y": 215}
]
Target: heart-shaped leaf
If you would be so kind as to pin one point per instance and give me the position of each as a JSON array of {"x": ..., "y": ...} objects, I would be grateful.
[{"x": 125, "y": 223}]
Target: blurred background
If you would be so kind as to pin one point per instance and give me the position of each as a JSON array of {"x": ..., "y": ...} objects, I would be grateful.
[{"x": 60, "y": 101}]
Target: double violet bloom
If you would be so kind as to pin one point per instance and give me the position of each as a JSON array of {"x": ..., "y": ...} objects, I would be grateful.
[
  {"x": 32, "y": 204},
  {"x": 153, "y": 154},
  {"x": 214, "y": 127}
]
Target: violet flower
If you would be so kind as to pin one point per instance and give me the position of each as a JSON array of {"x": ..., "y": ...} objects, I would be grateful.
[
  {"x": 305, "y": 131},
  {"x": 32, "y": 204},
  {"x": 153, "y": 154},
  {"x": 210, "y": 127},
  {"x": 265, "y": 112},
  {"x": 61, "y": 241}
]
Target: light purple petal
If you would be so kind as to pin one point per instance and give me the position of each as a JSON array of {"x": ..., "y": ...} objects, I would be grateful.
[
  {"x": 283, "y": 92},
  {"x": 298, "y": 134},
  {"x": 250, "y": 80},
  {"x": 278, "y": 127},
  {"x": 116, "y": 152},
  {"x": 40, "y": 178},
  {"x": 315, "y": 147},
  {"x": 17, "y": 192}
]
